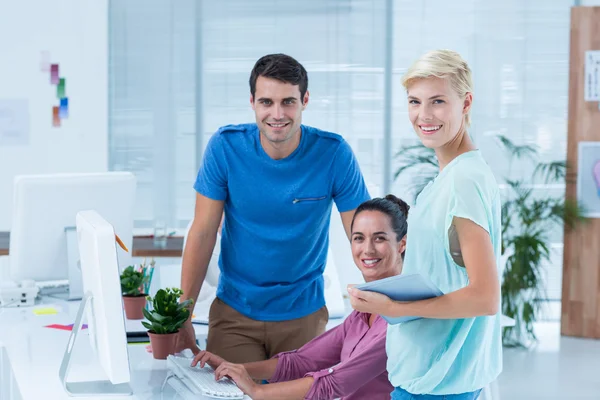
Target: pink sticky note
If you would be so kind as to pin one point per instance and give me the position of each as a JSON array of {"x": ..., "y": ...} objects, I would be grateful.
[{"x": 54, "y": 74}]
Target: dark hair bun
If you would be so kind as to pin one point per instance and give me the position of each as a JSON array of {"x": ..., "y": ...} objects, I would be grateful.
[{"x": 400, "y": 203}]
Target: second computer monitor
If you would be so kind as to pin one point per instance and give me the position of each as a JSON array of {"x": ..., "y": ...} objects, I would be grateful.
[
  {"x": 44, "y": 212},
  {"x": 102, "y": 305}
]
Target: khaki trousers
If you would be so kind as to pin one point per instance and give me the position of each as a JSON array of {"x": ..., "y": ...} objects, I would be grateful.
[{"x": 240, "y": 339}]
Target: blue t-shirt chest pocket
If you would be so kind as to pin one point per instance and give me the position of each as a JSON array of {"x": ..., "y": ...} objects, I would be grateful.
[
  {"x": 308, "y": 205},
  {"x": 308, "y": 199}
]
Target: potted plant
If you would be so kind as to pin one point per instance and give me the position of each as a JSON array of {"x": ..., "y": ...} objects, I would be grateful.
[
  {"x": 165, "y": 319},
  {"x": 527, "y": 221},
  {"x": 134, "y": 298}
]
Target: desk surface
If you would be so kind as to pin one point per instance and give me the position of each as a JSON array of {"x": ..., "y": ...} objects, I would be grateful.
[
  {"x": 30, "y": 356},
  {"x": 143, "y": 246}
]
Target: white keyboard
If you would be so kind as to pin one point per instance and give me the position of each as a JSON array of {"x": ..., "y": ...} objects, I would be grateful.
[{"x": 202, "y": 380}]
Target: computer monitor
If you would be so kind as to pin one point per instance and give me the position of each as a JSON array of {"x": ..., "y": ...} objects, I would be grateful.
[
  {"x": 103, "y": 307},
  {"x": 43, "y": 244}
]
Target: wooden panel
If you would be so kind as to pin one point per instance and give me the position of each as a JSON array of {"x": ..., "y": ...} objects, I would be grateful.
[
  {"x": 581, "y": 262},
  {"x": 4, "y": 242},
  {"x": 143, "y": 246}
]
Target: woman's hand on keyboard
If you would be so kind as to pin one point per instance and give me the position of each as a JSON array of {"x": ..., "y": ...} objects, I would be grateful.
[
  {"x": 238, "y": 373},
  {"x": 204, "y": 357}
]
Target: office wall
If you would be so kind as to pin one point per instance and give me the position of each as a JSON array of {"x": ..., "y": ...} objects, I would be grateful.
[{"x": 73, "y": 34}]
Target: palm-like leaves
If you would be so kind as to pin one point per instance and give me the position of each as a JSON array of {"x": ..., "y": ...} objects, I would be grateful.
[
  {"x": 522, "y": 151},
  {"x": 421, "y": 157},
  {"x": 168, "y": 314}
]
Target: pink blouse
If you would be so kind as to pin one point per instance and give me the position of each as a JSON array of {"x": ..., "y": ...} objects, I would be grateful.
[{"x": 348, "y": 361}]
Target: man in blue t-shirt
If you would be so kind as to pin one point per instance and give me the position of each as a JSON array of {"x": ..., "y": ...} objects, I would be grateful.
[{"x": 275, "y": 181}]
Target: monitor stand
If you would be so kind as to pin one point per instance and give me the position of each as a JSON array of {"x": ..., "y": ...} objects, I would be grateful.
[
  {"x": 90, "y": 388},
  {"x": 74, "y": 288}
]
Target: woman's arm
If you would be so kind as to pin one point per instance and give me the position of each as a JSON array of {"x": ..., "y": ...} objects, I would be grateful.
[
  {"x": 332, "y": 382},
  {"x": 296, "y": 389},
  {"x": 323, "y": 351},
  {"x": 292, "y": 390},
  {"x": 257, "y": 370},
  {"x": 480, "y": 297},
  {"x": 262, "y": 370}
]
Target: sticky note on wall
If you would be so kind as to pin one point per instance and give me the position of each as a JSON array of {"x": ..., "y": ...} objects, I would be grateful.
[
  {"x": 63, "y": 111},
  {"x": 55, "y": 117},
  {"x": 60, "y": 88},
  {"x": 54, "y": 74}
]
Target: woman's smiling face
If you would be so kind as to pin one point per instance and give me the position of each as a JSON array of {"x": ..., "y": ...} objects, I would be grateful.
[{"x": 376, "y": 250}]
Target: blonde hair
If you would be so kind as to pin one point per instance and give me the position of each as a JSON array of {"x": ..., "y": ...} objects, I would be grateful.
[{"x": 445, "y": 64}]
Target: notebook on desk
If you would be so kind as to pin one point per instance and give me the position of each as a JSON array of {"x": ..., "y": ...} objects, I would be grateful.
[
  {"x": 410, "y": 287},
  {"x": 136, "y": 333}
]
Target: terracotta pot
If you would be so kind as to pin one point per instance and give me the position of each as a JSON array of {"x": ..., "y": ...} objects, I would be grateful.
[
  {"x": 133, "y": 306},
  {"x": 162, "y": 345}
]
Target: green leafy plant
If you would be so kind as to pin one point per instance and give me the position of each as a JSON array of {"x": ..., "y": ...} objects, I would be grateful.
[
  {"x": 526, "y": 224},
  {"x": 132, "y": 281},
  {"x": 527, "y": 221},
  {"x": 421, "y": 162},
  {"x": 168, "y": 314}
]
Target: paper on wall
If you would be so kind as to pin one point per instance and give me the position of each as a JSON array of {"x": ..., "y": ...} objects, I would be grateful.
[
  {"x": 592, "y": 75},
  {"x": 14, "y": 122}
]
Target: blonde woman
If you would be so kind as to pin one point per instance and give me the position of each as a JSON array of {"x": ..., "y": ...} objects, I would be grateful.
[{"x": 454, "y": 240}]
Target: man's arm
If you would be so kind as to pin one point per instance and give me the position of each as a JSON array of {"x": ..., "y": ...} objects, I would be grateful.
[
  {"x": 199, "y": 246},
  {"x": 347, "y": 221}
]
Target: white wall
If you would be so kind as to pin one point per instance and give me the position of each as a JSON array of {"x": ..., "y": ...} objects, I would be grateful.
[
  {"x": 74, "y": 33},
  {"x": 589, "y": 3}
]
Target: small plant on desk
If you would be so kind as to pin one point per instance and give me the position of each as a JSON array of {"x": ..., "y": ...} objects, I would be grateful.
[
  {"x": 134, "y": 298},
  {"x": 165, "y": 319}
]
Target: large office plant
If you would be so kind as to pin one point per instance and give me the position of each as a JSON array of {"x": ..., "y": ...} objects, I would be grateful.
[{"x": 527, "y": 221}]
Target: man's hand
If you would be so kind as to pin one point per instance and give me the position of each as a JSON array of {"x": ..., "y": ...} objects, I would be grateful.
[
  {"x": 186, "y": 338},
  {"x": 204, "y": 357},
  {"x": 238, "y": 373}
]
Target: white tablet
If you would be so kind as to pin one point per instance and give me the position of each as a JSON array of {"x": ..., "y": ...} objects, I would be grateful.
[{"x": 410, "y": 287}]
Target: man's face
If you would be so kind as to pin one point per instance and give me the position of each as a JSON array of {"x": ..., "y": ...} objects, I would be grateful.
[{"x": 278, "y": 108}]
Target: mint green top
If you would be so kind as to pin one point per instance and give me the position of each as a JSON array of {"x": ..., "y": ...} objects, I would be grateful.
[{"x": 448, "y": 356}]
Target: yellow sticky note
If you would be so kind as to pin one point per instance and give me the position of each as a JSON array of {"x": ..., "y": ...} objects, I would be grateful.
[{"x": 45, "y": 311}]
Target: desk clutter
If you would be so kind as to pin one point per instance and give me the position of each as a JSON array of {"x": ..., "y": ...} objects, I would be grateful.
[
  {"x": 22, "y": 294},
  {"x": 135, "y": 287}
]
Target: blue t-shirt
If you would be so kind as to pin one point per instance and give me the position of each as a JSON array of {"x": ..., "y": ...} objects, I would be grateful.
[
  {"x": 276, "y": 232},
  {"x": 448, "y": 356}
]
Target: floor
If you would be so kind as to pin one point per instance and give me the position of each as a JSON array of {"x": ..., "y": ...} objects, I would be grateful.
[{"x": 556, "y": 368}]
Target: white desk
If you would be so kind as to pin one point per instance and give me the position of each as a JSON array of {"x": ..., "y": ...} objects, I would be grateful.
[{"x": 31, "y": 355}]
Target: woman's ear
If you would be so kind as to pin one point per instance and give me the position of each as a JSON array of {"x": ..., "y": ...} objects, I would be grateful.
[
  {"x": 468, "y": 103},
  {"x": 402, "y": 245}
]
